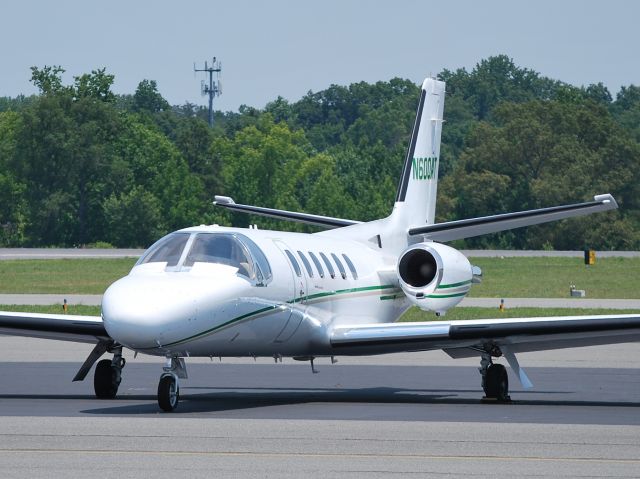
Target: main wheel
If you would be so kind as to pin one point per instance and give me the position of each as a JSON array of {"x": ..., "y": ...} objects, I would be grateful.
[
  {"x": 496, "y": 383},
  {"x": 168, "y": 393},
  {"x": 106, "y": 380}
]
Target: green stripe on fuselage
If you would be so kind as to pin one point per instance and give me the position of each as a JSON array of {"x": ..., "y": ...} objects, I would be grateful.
[{"x": 272, "y": 308}]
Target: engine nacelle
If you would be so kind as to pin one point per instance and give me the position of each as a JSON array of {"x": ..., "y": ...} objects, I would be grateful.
[{"x": 434, "y": 277}]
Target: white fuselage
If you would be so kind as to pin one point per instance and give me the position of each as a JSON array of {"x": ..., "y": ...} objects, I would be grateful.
[{"x": 219, "y": 310}]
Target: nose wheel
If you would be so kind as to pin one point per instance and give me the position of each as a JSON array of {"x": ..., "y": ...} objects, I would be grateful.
[
  {"x": 169, "y": 386},
  {"x": 168, "y": 392}
]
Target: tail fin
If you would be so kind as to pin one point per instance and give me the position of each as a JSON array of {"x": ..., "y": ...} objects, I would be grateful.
[
  {"x": 416, "y": 198},
  {"x": 415, "y": 204}
]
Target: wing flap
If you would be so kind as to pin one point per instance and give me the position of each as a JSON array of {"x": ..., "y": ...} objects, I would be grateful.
[{"x": 66, "y": 327}]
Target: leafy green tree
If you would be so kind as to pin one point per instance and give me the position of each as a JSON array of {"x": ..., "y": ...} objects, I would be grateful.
[
  {"x": 149, "y": 160},
  {"x": 48, "y": 79},
  {"x": 95, "y": 85},
  {"x": 260, "y": 163},
  {"x": 626, "y": 109},
  {"x": 495, "y": 80},
  {"x": 13, "y": 213},
  {"x": 598, "y": 93},
  {"x": 79, "y": 164},
  {"x": 133, "y": 218},
  {"x": 544, "y": 153},
  {"x": 147, "y": 98}
]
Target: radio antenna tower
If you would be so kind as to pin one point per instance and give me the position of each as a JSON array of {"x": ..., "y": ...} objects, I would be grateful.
[{"x": 214, "y": 88}]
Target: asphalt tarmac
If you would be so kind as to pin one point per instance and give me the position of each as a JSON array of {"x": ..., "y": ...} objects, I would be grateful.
[{"x": 410, "y": 415}]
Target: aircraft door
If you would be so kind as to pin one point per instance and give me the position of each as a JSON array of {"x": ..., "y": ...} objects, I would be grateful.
[
  {"x": 297, "y": 271},
  {"x": 299, "y": 293}
]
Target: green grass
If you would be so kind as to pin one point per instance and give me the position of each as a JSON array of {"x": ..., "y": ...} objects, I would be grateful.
[
  {"x": 52, "y": 309},
  {"x": 503, "y": 278},
  {"x": 551, "y": 277},
  {"x": 461, "y": 313},
  {"x": 80, "y": 276}
]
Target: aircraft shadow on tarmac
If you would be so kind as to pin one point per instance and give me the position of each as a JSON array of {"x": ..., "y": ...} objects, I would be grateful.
[{"x": 252, "y": 398}]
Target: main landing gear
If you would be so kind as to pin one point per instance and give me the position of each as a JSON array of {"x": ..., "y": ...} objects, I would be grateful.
[
  {"x": 108, "y": 375},
  {"x": 169, "y": 386},
  {"x": 495, "y": 381}
]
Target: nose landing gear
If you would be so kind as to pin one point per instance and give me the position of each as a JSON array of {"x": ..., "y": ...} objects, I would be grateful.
[{"x": 169, "y": 386}]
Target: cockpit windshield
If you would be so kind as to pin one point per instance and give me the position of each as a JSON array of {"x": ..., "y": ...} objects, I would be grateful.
[
  {"x": 218, "y": 249},
  {"x": 167, "y": 250},
  {"x": 183, "y": 251}
]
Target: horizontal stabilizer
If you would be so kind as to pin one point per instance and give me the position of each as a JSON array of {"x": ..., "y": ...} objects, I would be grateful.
[
  {"x": 453, "y": 230},
  {"x": 316, "y": 220}
]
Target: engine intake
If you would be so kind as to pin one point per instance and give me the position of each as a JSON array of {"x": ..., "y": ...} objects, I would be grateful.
[
  {"x": 433, "y": 276},
  {"x": 417, "y": 267}
]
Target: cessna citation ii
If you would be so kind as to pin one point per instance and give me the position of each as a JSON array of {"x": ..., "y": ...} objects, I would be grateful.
[{"x": 216, "y": 291}]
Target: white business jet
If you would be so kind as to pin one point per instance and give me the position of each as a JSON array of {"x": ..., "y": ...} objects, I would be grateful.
[{"x": 229, "y": 292}]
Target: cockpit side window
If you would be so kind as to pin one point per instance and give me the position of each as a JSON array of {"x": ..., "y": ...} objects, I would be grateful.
[
  {"x": 167, "y": 250},
  {"x": 263, "y": 269}
]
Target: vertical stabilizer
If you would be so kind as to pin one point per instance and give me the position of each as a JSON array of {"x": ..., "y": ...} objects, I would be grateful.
[
  {"x": 415, "y": 203},
  {"x": 416, "y": 198}
]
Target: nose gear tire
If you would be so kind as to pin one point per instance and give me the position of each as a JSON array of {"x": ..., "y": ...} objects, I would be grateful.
[{"x": 168, "y": 393}]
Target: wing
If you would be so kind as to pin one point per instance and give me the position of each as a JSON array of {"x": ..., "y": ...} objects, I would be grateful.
[
  {"x": 469, "y": 228},
  {"x": 316, "y": 220},
  {"x": 475, "y": 337},
  {"x": 66, "y": 327}
]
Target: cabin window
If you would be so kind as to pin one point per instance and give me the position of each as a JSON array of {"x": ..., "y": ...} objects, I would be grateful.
[
  {"x": 306, "y": 263},
  {"x": 351, "y": 266},
  {"x": 343, "y": 273},
  {"x": 332, "y": 273},
  {"x": 166, "y": 250},
  {"x": 316, "y": 261},
  {"x": 294, "y": 263}
]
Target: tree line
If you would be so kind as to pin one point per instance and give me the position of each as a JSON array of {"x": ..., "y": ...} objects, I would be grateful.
[{"x": 80, "y": 165}]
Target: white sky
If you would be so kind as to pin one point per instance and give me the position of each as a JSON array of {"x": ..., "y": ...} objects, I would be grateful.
[{"x": 287, "y": 47}]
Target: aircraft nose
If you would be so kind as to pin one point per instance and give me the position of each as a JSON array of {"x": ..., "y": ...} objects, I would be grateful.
[{"x": 142, "y": 314}]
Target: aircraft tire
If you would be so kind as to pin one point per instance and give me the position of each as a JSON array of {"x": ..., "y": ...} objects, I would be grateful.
[
  {"x": 106, "y": 380},
  {"x": 168, "y": 393},
  {"x": 496, "y": 383}
]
